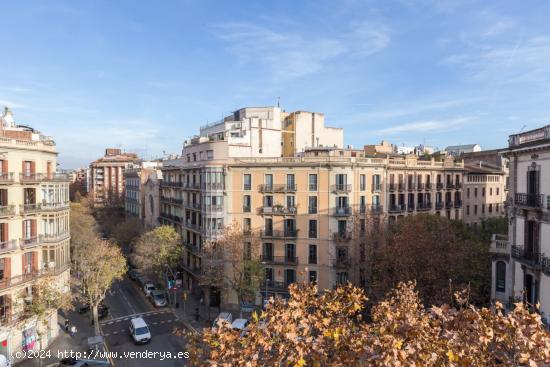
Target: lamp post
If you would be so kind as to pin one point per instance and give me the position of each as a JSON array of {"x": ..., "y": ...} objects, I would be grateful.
[{"x": 266, "y": 282}]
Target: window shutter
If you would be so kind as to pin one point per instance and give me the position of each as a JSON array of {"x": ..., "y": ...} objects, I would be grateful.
[
  {"x": 7, "y": 268},
  {"x": 34, "y": 264},
  {"x": 23, "y": 263},
  {"x": 33, "y": 228},
  {"x": 5, "y": 166},
  {"x": 33, "y": 167},
  {"x": 23, "y": 168}
]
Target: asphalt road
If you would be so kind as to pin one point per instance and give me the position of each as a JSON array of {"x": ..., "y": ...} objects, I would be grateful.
[{"x": 127, "y": 300}]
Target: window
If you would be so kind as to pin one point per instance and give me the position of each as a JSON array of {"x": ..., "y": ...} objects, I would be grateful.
[
  {"x": 483, "y": 191},
  {"x": 268, "y": 201},
  {"x": 491, "y": 191},
  {"x": 312, "y": 276},
  {"x": 467, "y": 210},
  {"x": 4, "y": 306},
  {"x": 247, "y": 253},
  {"x": 209, "y": 154},
  {"x": 341, "y": 181},
  {"x": 247, "y": 179},
  {"x": 312, "y": 228},
  {"x": 313, "y": 205},
  {"x": 342, "y": 277},
  {"x": 362, "y": 182},
  {"x": 3, "y": 268},
  {"x": 498, "y": 190},
  {"x": 269, "y": 274},
  {"x": 29, "y": 228},
  {"x": 312, "y": 255},
  {"x": 475, "y": 192},
  {"x": 362, "y": 203},
  {"x": 268, "y": 181},
  {"x": 291, "y": 202},
  {"x": 312, "y": 182},
  {"x": 268, "y": 226},
  {"x": 290, "y": 252},
  {"x": 500, "y": 276},
  {"x": 246, "y": 203},
  {"x": 468, "y": 192},
  {"x": 376, "y": 183},
  {"x": 247, "y": 224},
  {"x": 490, "y": 208},
  {"x": 268, "y": 252},
  {"x": 482, "y": 208},
  {"x": 290, "y": 276},
  {"x": 290, "y": 182},
  {"x": 475, "y": 209}
]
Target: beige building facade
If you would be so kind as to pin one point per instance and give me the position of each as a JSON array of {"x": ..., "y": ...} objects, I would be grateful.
[
  {"x": 134, "y": 192},
  {"x": 34, "y": 232},
  {"x": 521, "y": 262}
]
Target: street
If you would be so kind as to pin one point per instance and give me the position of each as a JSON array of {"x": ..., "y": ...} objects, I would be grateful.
[{"x": 126, "y": 300}]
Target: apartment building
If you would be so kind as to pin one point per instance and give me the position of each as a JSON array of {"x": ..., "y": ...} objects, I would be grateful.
[
  {"x": 134, "y": 191},
  {"x": 416, "y": 185},
  {"x": 151, "y": 197},
  {"x": 305, "y": 209},
  {"x": 79, "y": 182},
  {"x": 521, "y": 262},
  {"x": 106, "y": 176},
  {"x": 34, "y": 232},
  {"x": 458, "y": 150},
  {"x": 485, "y": 186}
]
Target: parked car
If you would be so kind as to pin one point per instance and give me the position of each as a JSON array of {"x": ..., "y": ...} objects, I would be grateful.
[
  {"x": 139, "y": 331},
  {"x": 148, "y": 288},
  {"x": 222, "y": 317},
  {"x": 240, "y": 324},
  {"x": 133, "y": 274},
  {"x": 159, "y": 298}
]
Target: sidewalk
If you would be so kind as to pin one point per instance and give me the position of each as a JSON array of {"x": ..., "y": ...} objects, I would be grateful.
[
  {"x": 64, "y": 342},
  {"x": 186, "y": 312}
]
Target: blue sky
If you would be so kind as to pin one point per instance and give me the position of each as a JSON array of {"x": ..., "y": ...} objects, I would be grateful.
[{"x": 144, "y": 75}]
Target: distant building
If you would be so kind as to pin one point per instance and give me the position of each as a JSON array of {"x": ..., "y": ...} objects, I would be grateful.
[
  {"x": 79, "y": 182},
  {"x": 106, "y": 176},
  {"x": 134, "y": 193},
  {"x": 521, "y": 262},
  {"x": 34, "y": 234},
  {"x": 457, "y": 150},
  {"x": 383, "y": 148},
  {"x": 151, "y": 199}
]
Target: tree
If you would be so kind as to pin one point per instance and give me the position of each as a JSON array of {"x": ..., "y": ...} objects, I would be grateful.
[
  {"x": 439, "y": 254},
  {"x": 326, "y": 329},
  {"x": 83, "y": 232},
  {"x": 48, "y": 296},
  {"x": 128, "y": 231},
  {"x": 100, "y": 264},
  {"x": 157, "y": 248},
  {"x": 243, "y": 271}
]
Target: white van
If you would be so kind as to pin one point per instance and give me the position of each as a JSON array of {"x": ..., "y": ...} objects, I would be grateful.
[{"x": 139, "y": 331}]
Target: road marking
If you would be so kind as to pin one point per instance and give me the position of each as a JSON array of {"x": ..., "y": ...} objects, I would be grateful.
[{"x": 129, "y": 317}]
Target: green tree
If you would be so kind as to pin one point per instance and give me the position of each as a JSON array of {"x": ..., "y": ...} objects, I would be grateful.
[
  {"x": 441, "y": 255},
  {"x": 155, "y": 249}
]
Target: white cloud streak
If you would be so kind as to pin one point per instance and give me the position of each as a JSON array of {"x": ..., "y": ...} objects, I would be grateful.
[
  {"x": 11, "y": 104},
  {"x": 426, "y": 126},
  {"x": 290, "y": 55}
]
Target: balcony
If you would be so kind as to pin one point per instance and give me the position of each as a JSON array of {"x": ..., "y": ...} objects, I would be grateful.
[
  {"x": 277, "y": 285},
  {"x": 278, "y": 210},
  {"x": 458, "y": 185},
  {"x": 192, "y": 269},
  {"x": 340, "y": 188},
  {"x": 458, "y": 203},
  {"x": 376, "y": 209},
  {"x": 450, "y": 186},
  {"x": 171, "y": 217},
  {"x": 342, "y": 262},
  {"x": 342, "y": 236},
  {"x": 277, "y": 188},
  {"x": 429, "y": 186},
  {"x": 10, "y": 282},
  {"x": 8, "y": 246},
  {"x": 410, "y": 207},
  {"x": 439, "y": 205},
  {"x": 312, "y": 187},
  {"x": 172, "y": 184},
  {"x": 192, "y": 186},
  {"x": 376, "y": 187},
  {"x": 54, "y": 237},
  {"x": 396, "y": 208},
  {"x": 422, "y": 207},
  {"x": 420, "y": 186},
  {"x": 279, "y": 260},
  {"x": 6, "y": 178},
  {"x": 7, "y": 210},
  {"x": 214, "y": 208},
  {"x": 213, "y": 186},
  {"x": 192, "y": 226},
  {"x": 29, "y": 208},
  {"x": 170, "y": 200},
  {"x": 439, "y": 186},
  {"x": 533, "y": 259},
  {"x": 247, "y": 209},
  {"x": 29, "y": 178},
  {"x": 392, "y": 187},
  {"x": 411, "y": 186},
  {"x": 280, "y": 234},
  {"x": 448, "y": 204},
  {"x": 312, "y": 210},
  {"x": 499, "y": 245},
  {"x": 29, "y": 242},
  {"x": 401, "y": 186},
  {"x": 342, "y": 211},
  {"x": 528, "y": 200},
  {"x": 192, "y": 206},
  {"x": 51, "y": 207}
]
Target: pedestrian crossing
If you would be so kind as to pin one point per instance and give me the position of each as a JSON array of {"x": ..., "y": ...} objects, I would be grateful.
[{"x": 132, "y": 316}]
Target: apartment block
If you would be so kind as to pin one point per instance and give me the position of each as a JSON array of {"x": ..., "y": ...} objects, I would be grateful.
[
  {"x": 485, "y": 186},
  {"x": 303, "y": 209},
  {"x": 34, "y": 232},
  {"x": 106, "y": 176},
  {"x": 521, "y": 262}
]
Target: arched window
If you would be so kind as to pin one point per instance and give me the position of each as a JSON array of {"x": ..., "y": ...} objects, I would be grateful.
[
  {"x": 501, "y": 276},
  {"x": 152, "y": 204}
]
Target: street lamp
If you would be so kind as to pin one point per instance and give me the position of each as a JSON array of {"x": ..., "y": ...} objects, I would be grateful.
[{"x": 266, "y": 281}]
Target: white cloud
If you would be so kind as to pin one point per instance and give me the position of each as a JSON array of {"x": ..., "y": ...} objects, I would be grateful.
[
  {"x": 11, "y": 104},
  {"x": 418, "y": 107},
  {"x": 287, "y": 54},
  {"x": 425, "y": 126},
  {"x": 498, "y": 27}
]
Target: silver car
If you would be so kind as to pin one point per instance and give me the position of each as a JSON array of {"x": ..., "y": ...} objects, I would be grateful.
[{"x": 159, "y": 298}]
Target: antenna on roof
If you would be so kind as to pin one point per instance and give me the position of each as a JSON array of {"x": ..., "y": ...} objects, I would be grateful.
[
  {"x": 523, "y": 127},
  {"x": 278, "y": 101}
]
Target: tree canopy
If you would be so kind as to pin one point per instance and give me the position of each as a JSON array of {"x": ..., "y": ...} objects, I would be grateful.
[{"x": 327, "y": 329}]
